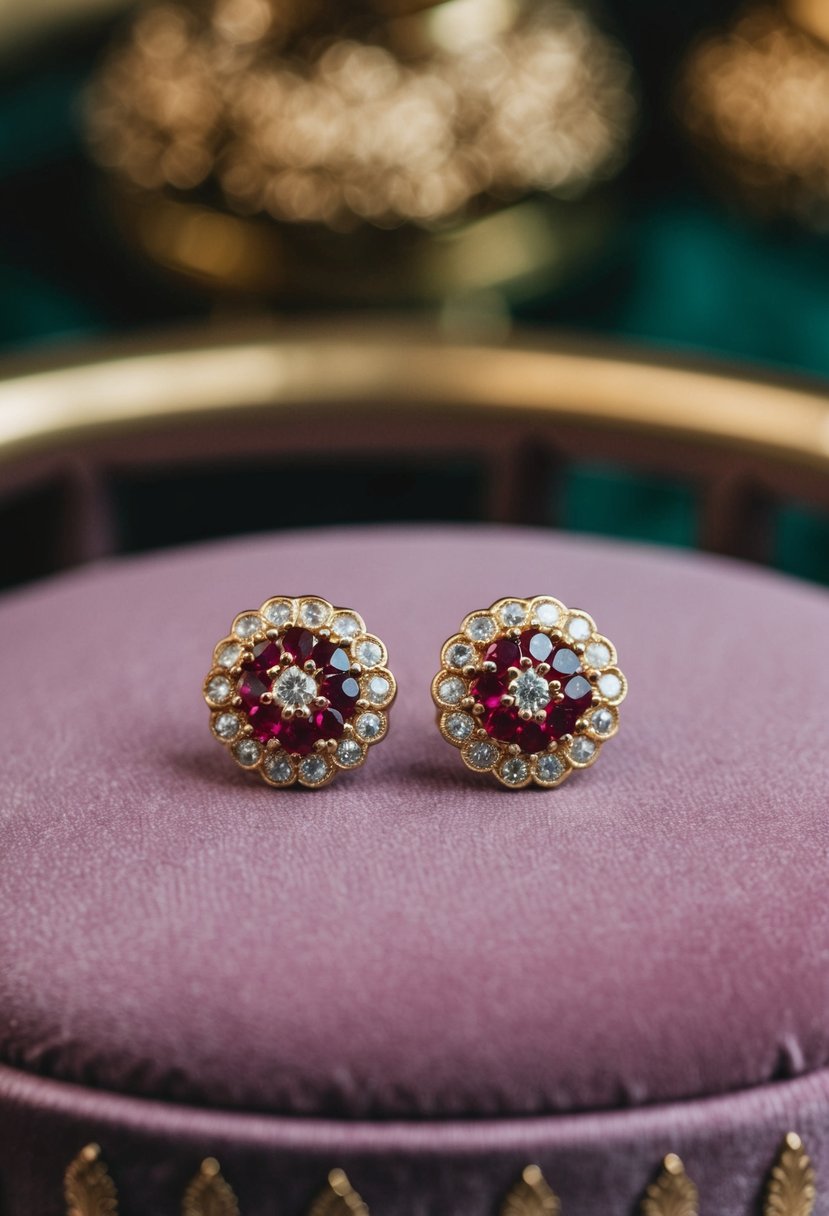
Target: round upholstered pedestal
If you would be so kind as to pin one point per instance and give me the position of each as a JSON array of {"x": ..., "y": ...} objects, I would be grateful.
[{"x": 413, "y": 974}]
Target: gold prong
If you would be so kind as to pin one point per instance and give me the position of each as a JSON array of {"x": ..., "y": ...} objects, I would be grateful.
[
  {"x": 526, "y": 663},
  {"x": 514, "y": 672},
  {"x": 488, "y": 666},
  {"x": 543, "y": 668},
  {"x": 321, "y": 702},
  {"x": 477, "y": 708},
  {"x": 236, "y": 702},
  {"x": 272, "y": 634},
  {"x": 525, "y": 715},
  {"x": 265, "y": 699},
  {"x": 507, "y": 700},
  {"x": 309, "y": 667}
]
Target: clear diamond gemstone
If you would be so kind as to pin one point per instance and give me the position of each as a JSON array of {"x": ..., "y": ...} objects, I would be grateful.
[
  {"x": 349, "y": 753},
  {"x": 482, "y": 754},
  {"x": 459, "y": 726},
  {"x": 459, "y": 654},
  {"x": 227, "y": 726},
  {"x": 513, "y": 614},
  {"x": 314, "y": 769},
  {"x": 602, "y": 721},
  {"x": 452, "y": 690},
  {"x": 576, "y": 688},
  {"x": 247, "y": 626},
  {"x": 278, "y": 612},
  {"x": 547, "y": 614},
  {"x": 368, "y": 653},
  {"x": 279, "y": 768},
  {"x": 247, "y": 752},
  {"x": 345, "y": 626},
  {"x": 218, "y": 689},
  {"x": 610, "y": 685},
  {"x": 515, "y": 770},
  {"x": 582, "y": 748},
  {"x": 578, "y": 628},
  {"x": 531, "y": 691},
  {"x": 368, "y": 726},
  {"x": 597, "y": 654},
  {"x": 294, "y": 688},
  {"x": 481, "y": 628},
  {"x": 378, "y": 689},
  {"x": 229, "y": 655},
  {"x": 313, "y": 613},
  {"x": 548, "y": 768}
]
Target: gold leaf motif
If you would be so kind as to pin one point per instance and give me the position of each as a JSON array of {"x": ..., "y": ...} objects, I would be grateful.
[
  {"x": 208, "y": 1194},
  {"x": 673, "y": 1193},
  {"x": 791, "y": 1189},
  {"x": 531, "y": 1196},
  {"x": 338, "y": 1199},
  {"x": 87, "y": 1187}
]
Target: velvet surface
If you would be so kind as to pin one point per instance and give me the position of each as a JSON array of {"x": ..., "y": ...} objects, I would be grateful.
[
  {"x": 599, "y": 1163},
  {"x": 414, "y": 941}
]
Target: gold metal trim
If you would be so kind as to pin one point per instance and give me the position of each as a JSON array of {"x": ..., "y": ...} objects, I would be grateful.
[
  {"x": 791, "y": 1188},
  {"x": 531, "y": 1196},
  {"x": 208, "y": 1194},
  {"x": 673, "y": 1193},
  {"x": 338, "y": 1199},
  {"x": 87, "y": 1186},
  {"x": 387, "y": 371}
]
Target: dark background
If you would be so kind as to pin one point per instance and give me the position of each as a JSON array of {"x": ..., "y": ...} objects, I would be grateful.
[{"x": 684, "y": 270}]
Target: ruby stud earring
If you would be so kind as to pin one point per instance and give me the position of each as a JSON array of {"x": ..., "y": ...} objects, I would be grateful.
[
  {"x": 299, "y": 690},
  {"x": 529, "y": 691}
]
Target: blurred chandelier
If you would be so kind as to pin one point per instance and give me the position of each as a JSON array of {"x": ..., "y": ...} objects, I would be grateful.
[
  {"x": 349, "y": 118},
  {"x": 755, "y": 101}
]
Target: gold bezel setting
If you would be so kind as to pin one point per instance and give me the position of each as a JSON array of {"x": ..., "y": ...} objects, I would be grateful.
[
  {"x": 585, "y": 653},
  {"x": 365, "y": 724}
]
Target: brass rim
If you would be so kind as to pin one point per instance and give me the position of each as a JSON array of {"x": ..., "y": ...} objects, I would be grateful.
[{"x": 394, "y": 370}]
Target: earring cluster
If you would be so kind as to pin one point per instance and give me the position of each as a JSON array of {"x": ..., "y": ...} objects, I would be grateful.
[{"x": 528, "y": 691}]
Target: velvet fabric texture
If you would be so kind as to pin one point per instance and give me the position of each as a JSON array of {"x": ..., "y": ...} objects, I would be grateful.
[{"x": 414, "y": 971}]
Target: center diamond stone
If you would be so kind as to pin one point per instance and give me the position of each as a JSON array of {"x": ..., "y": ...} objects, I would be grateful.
[
  {"x": 294, "y": 688},
  {"x": 531, "y": 692}
]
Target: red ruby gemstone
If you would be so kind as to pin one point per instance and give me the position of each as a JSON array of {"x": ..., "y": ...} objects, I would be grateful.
[
  {"x": 503, "y": 654},
  {"x": 560, "y": 715},
  {"x": 298, "y": 643},
  {"x": 299, "y": 733},
  {"x": 342, "y": 692},
  {"x": 329, "y": 654},
  {"x": 488, "y": 689}
]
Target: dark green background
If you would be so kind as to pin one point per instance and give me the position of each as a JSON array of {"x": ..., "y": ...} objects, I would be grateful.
[{"x": 682, "y": 271}]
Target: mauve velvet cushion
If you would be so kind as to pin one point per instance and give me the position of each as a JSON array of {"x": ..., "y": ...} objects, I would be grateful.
[{"x": 414, "y": 940}]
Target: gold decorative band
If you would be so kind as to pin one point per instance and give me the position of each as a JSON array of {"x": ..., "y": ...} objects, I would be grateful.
[{"x": 790, "y": 1191}]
